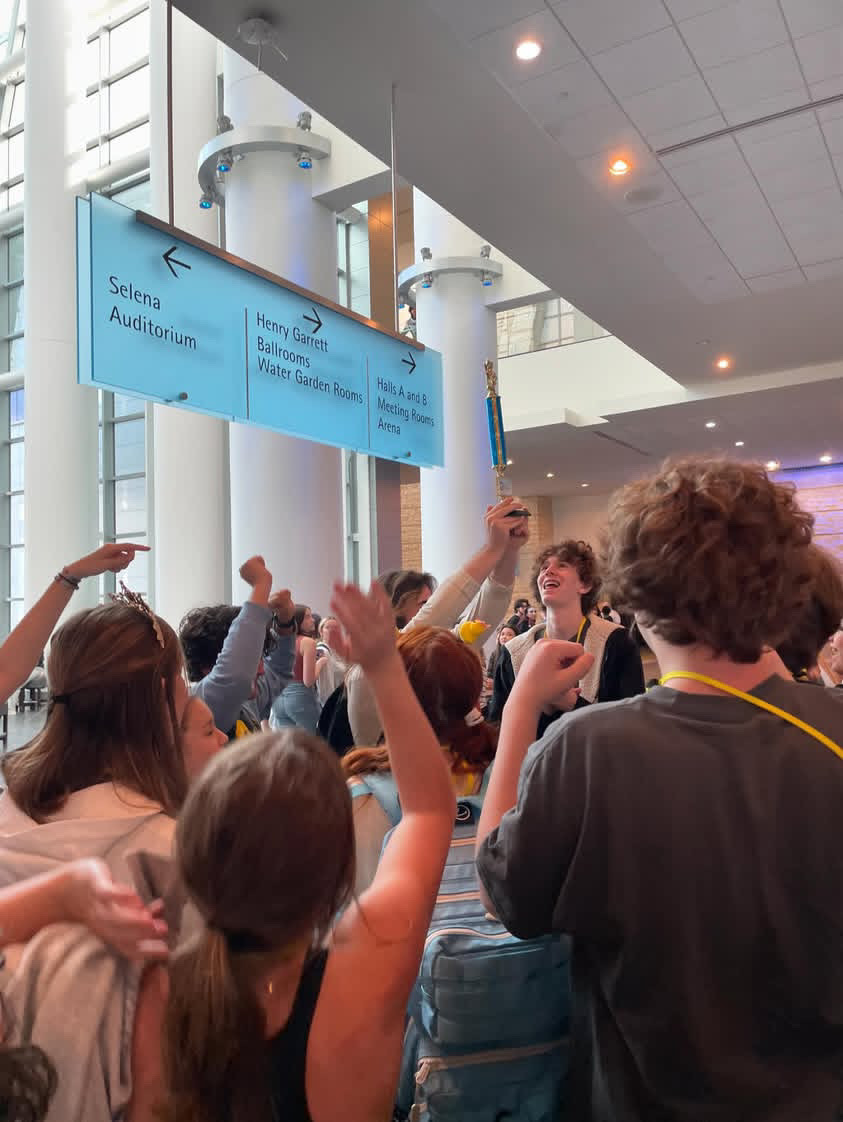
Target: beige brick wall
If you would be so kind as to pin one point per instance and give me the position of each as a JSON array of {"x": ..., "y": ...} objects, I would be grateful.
[{"x": 411, "y": 546}]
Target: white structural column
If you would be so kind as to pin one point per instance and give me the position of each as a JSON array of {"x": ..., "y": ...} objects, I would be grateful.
[
  {"x": 60, "y": 463},
  {"x": 188, "y": 495},
  {"x": 286, "y": 494},
  {"x": 453, "y": 319}
]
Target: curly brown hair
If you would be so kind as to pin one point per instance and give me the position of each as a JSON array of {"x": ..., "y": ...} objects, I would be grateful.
[
  {"x": 581, "y": 556},
  {"x": 713, "y": 552},
  {"x": 820, "y": 618}
]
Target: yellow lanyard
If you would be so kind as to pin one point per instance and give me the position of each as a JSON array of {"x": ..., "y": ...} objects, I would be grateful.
[
  {"x": 582, "y": 628},
  {"x": 774, "y": 709}
]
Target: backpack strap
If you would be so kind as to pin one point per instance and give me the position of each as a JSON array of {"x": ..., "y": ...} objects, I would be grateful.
[{"x": 381, "y": 785}]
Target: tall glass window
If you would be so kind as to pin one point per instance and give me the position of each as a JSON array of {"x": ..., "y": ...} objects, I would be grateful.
[
  {"x": 11, "y": 302},
  {"x": 538, "y": 327},
  {"x": 11, "y": 509},
  {"x": 118, "y": 89},
  {"x": 123, "y": 483}
]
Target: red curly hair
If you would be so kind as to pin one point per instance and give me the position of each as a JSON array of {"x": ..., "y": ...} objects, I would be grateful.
[{"x": 447, "y": 677}]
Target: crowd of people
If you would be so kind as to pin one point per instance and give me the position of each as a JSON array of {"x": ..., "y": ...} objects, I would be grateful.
[{"x": 438, "y": 855}]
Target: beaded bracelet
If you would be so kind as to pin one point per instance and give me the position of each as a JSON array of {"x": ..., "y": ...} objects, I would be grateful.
[{"x": 65, "y": 578}]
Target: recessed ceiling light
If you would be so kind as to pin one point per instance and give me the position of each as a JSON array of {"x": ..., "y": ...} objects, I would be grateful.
[
  {"x": 739, "y": 444},
  {"x": 583, "y": 485},
  {"x": 550, "y": 475},
  {"x": 711, "y": 424},
  {"x": 509, "y": 463},
  {"x": 723, "y": 363},
  {"x": 826, "y": 459},
  {"x": 772, "y": 465},
  {"x": 619, "y": 166},
  {"x": 528, "y": 49}
]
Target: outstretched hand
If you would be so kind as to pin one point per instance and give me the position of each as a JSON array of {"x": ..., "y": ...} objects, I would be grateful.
[
  {"x": 550, "y": 675},
  {"x": 368, "y": 626},
  {"x": 116, "y": 913},
  {"x": 111, "y": 558},
  {"x": 503, "y": 530}
]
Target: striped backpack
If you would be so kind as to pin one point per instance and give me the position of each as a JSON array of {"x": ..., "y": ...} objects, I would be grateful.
[{"x": 487, "y": 1027}]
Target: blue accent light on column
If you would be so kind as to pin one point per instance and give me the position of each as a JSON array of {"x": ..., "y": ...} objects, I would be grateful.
[
  {"x": 304, "y": 159},
  {"x": 206, "y": 202},
  {"x": 224, "y": 164}
]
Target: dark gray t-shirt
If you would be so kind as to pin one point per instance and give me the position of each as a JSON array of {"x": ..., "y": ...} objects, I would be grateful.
[{"x": 693, "y": 847}]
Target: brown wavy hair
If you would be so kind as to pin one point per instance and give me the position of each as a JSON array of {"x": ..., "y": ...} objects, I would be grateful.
[
  {"x": 713, "y": 552},
  {"x": 581, "y": 556},
  {"x": 447, "y": 678},
  {"x": 821, "y": 617},
  {"x": 28, "y": 1082},
  {"x": 113, "y": 717},
  {"x": 403, "y": 585},
  {"x": 265, "y": 849}
]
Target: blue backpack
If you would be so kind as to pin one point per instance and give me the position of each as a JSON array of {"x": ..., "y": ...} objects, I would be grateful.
[{"x": 487, "y": 1028}]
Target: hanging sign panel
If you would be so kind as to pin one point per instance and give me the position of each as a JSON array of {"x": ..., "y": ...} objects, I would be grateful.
[{"x": 168, "y": 318}]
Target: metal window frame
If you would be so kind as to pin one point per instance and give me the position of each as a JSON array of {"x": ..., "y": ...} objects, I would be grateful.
[{"x": 109, "y": 478}]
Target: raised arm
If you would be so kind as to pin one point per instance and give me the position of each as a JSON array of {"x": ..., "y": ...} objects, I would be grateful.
[
  {"x": 20, "y": 653},
  {"x": 551, "y": 669},
  {"x": 229, "y": 684},
  {"x": 484, "y": 583},
  {"x": 411, "y": 867}
]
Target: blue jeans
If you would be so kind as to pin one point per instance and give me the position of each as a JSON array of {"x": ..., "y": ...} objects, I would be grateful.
[{"x": 297, "y": 707}]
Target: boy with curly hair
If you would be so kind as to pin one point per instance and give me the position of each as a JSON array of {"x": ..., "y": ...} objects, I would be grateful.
[
  {"x": 687, "y": 839},
  {"x": 566, "y": 581}
]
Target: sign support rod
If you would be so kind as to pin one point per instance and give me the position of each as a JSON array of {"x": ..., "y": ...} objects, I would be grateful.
[
  {"x": 170, "y": 184},
  {"x": 393, "y": 141}
]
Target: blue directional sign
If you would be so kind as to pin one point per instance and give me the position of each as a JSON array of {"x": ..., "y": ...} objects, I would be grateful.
[{"x": 164, "y": 317}]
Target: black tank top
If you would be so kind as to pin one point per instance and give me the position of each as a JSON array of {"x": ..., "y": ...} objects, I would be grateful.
[{"x": 288, "y": 1050}]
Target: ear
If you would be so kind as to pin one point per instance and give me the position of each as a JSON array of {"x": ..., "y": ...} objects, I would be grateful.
[{"x": 584, "y": 588}]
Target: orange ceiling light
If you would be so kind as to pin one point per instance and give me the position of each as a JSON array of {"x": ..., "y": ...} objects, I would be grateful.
[
  {"x": 723, "y": 363},
  {"x": 620, "y": 166}
]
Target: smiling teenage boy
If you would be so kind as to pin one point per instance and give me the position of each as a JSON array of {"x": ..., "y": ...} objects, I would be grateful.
[{"x": 566, "y": 580}]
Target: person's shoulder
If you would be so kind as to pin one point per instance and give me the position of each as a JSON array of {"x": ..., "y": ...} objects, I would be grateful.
[
  {"x": 525, "y": 640},
  {"x": 604, "y": 723}
]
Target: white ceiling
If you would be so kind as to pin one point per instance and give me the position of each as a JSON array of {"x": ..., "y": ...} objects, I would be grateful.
[
  {"x": 794, "y": 425},
  {"x": 755, "y": 212},
  {"x": 743, "y": 244},
  {"x": 732, "y": 246}
]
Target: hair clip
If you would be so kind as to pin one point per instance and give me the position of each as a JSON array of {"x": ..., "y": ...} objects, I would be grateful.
[{"x": 135, "y": 600}]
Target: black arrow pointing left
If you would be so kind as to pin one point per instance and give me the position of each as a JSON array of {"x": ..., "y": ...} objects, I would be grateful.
[
  {"x": 411, "y": 362},
  {"x": 317, "y": 322},
  {"x": 171, "y": 261}
]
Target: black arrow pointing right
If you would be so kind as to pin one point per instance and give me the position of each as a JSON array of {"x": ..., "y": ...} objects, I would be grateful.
[
  {"x": 411, "y": 362},
  {"x": 317, "y": 322},
  {"x": 170, "y": 261}
]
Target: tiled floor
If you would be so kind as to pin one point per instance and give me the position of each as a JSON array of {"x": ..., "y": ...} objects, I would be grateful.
[{"x": 23, "y": 726}]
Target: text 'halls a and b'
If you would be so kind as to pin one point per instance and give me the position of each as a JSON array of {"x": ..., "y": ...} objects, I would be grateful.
[{"x": 404, "y": 412}]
